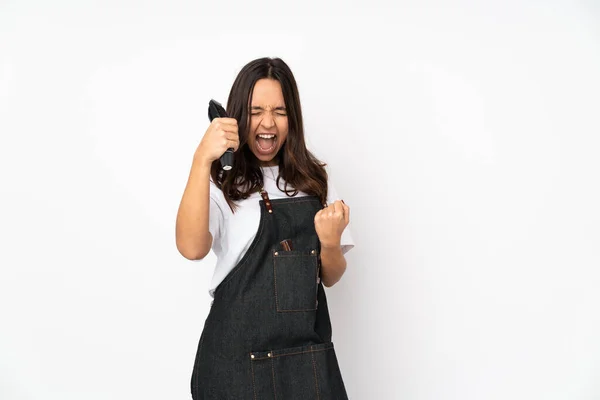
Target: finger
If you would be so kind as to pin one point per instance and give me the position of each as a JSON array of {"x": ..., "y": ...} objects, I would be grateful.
[
  {"x": 337, "y": 207},
  {"x": 318, "y": 216},
  {"x": 221, "y": 127},
  {"x": 329, "y": 210},
  {"x": 226, "y": 121},
  {"x": 232, "y": 144},
  {"x": 346, "y": 213},
  {"x": 232, "y": 136},
  {"x": 228, "y": 129}
]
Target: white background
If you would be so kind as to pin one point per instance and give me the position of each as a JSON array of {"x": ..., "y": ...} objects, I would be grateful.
[{"x": 464, "y": 137}]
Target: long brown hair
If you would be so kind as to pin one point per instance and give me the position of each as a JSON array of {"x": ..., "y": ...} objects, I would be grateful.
[{"x": 298, "y": 167}]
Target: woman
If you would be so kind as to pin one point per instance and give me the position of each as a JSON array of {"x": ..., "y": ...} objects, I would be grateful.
[{"x": 279, "y": 234}]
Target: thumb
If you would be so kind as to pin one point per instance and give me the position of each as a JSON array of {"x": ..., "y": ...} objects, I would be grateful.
[{"x": 346, "y": 212}]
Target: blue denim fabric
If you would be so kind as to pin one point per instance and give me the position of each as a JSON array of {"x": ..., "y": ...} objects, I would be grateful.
[{"x": 268, "y": 333}]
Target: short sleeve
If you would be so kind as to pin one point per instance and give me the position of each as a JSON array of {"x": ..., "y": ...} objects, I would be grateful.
[
  {"x": 215, "y": 214},
  {"x": 347, "y": 241}
]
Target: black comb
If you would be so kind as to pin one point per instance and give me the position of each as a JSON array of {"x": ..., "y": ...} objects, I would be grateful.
[{"x": 216, "y": 110}]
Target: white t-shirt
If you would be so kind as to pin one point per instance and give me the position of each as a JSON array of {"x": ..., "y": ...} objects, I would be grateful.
[{"x": 233, "y": 233}]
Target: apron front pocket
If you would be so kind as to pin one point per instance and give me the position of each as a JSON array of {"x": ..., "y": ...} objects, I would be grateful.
[
  {"x": 296, "y": 275},
  {"x": 299, "y": 373}
]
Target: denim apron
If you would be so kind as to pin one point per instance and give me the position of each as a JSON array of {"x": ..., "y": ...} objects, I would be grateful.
[{"x": 268, "y": 333}]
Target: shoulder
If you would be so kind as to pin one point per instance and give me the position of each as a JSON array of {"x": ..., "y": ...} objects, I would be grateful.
[{"x": 219, "y": 202}]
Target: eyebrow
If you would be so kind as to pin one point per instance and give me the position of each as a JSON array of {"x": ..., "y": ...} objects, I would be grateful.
[{"x": 260, "y": 108}]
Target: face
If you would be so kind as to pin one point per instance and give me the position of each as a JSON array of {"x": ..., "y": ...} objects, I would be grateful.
[{"x": 268, "y": 121}]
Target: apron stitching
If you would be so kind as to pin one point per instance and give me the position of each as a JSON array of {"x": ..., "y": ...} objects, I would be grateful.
[
  {"x": 253, "y": 383},
  {"x": 281, "y": 255},
  {"x": 294, "y": 200},
  {"x": 318, "y": 280},
  {"x": 312, "y": 354},
  {"x": 273, "y": 371},
  {"x": 275, "y": 283},
  {"x": 293, "y": 354}
]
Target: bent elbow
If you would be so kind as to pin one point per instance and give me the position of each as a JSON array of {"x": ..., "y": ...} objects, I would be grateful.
[
  {"x": 193, "y": 249},
  {"x": 328, "y": 283},
  {"x": 192, "y": 253},
  {"x": 193, "y": 256}
]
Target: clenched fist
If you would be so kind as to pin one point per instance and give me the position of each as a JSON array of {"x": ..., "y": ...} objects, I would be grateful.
[
  {"x": 330, "y": 222},
  {"x": 221, "y": 135}
]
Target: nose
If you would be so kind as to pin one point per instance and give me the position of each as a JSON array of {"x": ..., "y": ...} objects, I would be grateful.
[{"x": 268, "y": 121}]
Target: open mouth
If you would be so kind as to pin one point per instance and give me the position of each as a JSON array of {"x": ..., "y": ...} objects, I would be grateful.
[{"x": 266, "y": 143}]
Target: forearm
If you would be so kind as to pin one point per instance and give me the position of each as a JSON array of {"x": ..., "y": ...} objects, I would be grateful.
[
  {"x": 192, "y": 236},
  {"x": 333, "y": 265}
]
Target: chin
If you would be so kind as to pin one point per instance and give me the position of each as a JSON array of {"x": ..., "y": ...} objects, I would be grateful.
[
  {"x": 269, "y": 161},
  {"x": 266, "y": 159}
]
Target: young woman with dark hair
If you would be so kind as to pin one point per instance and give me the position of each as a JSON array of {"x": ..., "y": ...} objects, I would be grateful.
[{"x": 279, "y": 233}]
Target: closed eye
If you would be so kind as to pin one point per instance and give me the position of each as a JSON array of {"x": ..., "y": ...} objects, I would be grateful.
[
  {"x": 279, "y": 114},
  {"x": 279, "y": 111}
]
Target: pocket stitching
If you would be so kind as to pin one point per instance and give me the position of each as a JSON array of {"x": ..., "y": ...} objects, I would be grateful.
[
  {"x": 327, "y": 346},
  {"x": 314, "y": 260}
]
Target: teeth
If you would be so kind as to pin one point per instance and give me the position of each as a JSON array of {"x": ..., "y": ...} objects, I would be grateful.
[{"x": 266, "y": 136}]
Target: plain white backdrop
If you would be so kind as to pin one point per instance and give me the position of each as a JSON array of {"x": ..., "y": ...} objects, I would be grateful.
[{"x": 464, "y": 137}]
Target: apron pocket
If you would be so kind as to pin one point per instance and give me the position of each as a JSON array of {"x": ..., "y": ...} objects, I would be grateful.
[
  {"x": 295, "y": 279},
  {"x": 299, "y": 373}
]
